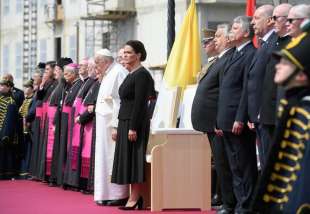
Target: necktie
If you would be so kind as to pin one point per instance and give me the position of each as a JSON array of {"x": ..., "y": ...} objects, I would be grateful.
[
  {"x": 235, "y": 54},
  {"x": 262, "y": 43}
]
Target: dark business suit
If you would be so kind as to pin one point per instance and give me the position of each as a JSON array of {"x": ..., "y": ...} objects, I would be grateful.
[
  {"x": 215, "y": 185},
  {"x": 269, "y": 97},
  {"x": 255, "y": 88},
  {"x": 269, "y": 101},
  {"x": 256, "y": 76},
  {"x": 204, "y": 108},
  {"x": 204, "y": 111},
  {"x": 239, "y": 149},
  {"x": 232, "y": 103}
]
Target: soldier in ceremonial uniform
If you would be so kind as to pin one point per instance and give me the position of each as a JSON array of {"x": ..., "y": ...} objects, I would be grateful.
[
  {"x": 8, "y": 139},
  {"x": 26, "y": 140},
  {"x": 283, "y": 186},
  {"x": 17, "y": 94}
]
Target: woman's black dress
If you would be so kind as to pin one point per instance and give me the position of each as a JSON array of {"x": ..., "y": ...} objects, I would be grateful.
[{"x": 129, "y": 157}]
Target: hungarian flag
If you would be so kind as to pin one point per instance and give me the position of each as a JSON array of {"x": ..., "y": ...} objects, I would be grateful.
[{"x": 250, "y": 7}]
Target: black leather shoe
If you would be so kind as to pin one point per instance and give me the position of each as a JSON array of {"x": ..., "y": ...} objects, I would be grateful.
[
  {"x": 51, "y": 184},
  {"x": 65, "y": 186},
  {"x": 102, "y": 203},
  {"x": 224, "y": 210},
  {"x": 85, "y": 192},
  {"x": 119, "y": 202},
  {"x": 216, "y": 200},
  {"x": 138, "y": 204}
]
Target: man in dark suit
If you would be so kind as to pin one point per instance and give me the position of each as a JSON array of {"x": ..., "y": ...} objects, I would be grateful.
[
  {"x": 208, "y": 123},
  {"x": 209, "y": 47},
  {"x": 205, "y": 101},
  {"x": 238, "y": 140},
  {"x": 263, "y": 29},
  {"x": 204, "y": 108},
  {"x": 271, "y": 92}
]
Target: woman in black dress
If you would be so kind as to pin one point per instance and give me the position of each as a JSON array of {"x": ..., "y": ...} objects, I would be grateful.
[{"x": 134, "y": 124}]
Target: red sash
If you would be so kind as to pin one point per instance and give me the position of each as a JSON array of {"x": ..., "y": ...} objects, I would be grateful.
[
  {"x": 39, "y": 112},
  {"x": 51, "y": 112},
  {"x": 44, "y": 114},
  {"x": 86, "y": 150},
  {"x": 68, "y": 110},
  {"x": 76, "y": 134}
]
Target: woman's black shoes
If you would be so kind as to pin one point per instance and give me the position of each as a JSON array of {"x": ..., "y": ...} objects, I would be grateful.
[
  {"x": 102, "y": 202},
  {"x": 118, "y": 202},
  {"x": 52, "y": 184},
  {"x": 138, "y": 204},
  {"x": 85, "y": 192}
]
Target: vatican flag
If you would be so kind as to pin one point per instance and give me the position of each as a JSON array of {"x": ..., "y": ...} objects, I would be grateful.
[
  {"x": 182, "y": 67},
  {"x": 185, "y": 61}
]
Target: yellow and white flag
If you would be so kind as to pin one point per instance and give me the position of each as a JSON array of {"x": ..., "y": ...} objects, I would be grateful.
[
  {"x": 185, "y": 61},
  {"x": 182, "y": 67}
]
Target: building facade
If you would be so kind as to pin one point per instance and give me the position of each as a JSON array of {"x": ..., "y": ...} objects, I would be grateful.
[{"x": 43, "y": 30}]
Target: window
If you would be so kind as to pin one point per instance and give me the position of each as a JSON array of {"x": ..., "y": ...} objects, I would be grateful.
[
  {"x": 72, "y": 47},
  {"x": 6, "y": 58},
  {"x": 19, "y": 6},
  {"x": 18, "y": 60},
  {"x": 43, "y": 50},
  {"x": 89, "y": 51},
  {"x": 43, "y": 3},
  {"x": 6, "y": 7},
  {"x": 106, "y": 38},
  {"x": 90, "y": 39}
]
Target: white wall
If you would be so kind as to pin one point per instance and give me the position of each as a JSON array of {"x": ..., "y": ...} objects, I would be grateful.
[{"x": 151, "y": 27}]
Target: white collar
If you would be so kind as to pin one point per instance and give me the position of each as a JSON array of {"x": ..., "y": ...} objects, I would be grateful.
[
  {"x": 239, "y": 48},
  {"x": 223, "y": 52},
  {"x": 267, "y": 35},
  {"x": 109, "y": 68},
  {"x": 211, "y": 58}
]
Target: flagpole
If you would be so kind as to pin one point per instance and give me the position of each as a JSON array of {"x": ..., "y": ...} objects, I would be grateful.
[{"x": 171, "y": 26}]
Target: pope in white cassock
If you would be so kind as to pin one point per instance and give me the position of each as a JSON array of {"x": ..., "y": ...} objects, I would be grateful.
[{"x": 107, "y": 107}]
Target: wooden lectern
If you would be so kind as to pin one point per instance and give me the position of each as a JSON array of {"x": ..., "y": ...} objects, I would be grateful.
[
  {"x": 180, "y": 170},
  {"x": 180, "y": 158}
]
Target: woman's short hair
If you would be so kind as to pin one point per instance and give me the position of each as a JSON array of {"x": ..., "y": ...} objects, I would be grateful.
[{"x": 138, "y": 47}]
